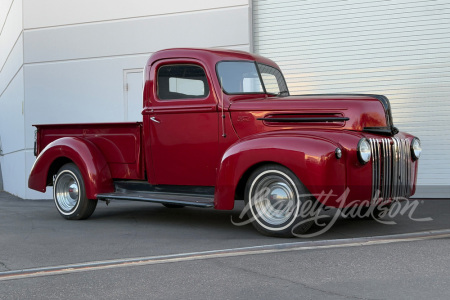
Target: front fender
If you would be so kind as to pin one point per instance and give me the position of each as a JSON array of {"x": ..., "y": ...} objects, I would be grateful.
[
  {"x": 311, "y": 158},
  {"x": 87, "y": 157}
]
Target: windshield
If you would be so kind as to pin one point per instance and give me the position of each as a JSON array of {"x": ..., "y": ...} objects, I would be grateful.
[{"x": 248, "y": 77}]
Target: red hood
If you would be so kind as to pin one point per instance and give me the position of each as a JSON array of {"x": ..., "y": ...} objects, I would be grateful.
[{"x": 349, "y": 112}]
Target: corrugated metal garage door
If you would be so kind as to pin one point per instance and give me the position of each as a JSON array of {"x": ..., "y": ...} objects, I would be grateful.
[{"x": 397, "y": 48}]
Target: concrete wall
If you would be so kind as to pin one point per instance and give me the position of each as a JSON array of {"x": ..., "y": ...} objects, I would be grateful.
[
  {"x": 12, "y": 130},
  {"x": 69, "y": 61}
]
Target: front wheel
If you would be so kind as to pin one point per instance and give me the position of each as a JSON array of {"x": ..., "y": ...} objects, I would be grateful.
[
  {"x": 274, "y": 197},
  {"x": 69, "y": 194}
]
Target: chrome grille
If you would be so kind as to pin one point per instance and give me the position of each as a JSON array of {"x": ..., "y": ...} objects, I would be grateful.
[{"x": 391, "y": 169}]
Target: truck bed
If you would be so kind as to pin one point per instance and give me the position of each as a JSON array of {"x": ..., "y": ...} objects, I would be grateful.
[{"x": 120, "y": 144}]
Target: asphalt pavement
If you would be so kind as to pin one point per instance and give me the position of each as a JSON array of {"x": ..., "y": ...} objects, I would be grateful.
[{"x": 139, "y": 250}]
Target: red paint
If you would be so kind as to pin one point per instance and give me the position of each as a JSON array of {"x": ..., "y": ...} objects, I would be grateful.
[
  {"x": 314, "y": 162},
  {"x": 85, "y": 154},
  {"x": 215, "y": 141},
  {"x": 120, "y": 144},
  {"x": 339, "y": 106},
  {"x": 184, "y": 144}
]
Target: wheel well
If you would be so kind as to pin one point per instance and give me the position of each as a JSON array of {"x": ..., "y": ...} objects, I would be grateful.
[
  {"x": 54, "y": 167},
  {"x": 240, "y": 188}
]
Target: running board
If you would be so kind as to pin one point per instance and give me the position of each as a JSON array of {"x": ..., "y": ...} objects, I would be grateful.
[{"x": 164, "y": 198}]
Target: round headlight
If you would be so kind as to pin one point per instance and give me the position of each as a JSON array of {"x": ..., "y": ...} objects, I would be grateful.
[
  {"x": 416, "y": 148},
  {"x": 364, "y": 152}
]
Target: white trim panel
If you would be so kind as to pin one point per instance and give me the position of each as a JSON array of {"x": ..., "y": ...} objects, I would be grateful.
[
  {"x": 86, "y": 11},
  {"x": 11, "y": 31},
  {"x": 11, "y": 116},
  {"x": 12, "y": 65},
  {"x": 200, "y": 29},
  {"x": 13, "y": 169},
  {"x": 4, "y": 10}
]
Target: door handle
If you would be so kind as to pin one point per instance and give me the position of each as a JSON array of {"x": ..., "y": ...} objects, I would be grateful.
[{"x": 155, "y": 120}]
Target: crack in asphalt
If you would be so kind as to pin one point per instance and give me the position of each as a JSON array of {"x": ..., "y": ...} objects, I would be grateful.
[
  {"x": 233, "y": 252},
  {"x": 330, "y": 293},
  {"x": 4, "y": 266}
]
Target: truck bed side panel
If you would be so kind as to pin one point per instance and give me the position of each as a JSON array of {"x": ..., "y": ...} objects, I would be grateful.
[{"x": 120, "y": 143}]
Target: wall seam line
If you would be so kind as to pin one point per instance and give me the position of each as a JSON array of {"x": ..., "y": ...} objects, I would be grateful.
[
  {"x": 9, "y": 83},
  {"x": 110, "y": 56},
  {"x": 10, "y": 51},
  {"x": 6, "y": 17},
  {"x": 138, "y": 17}
]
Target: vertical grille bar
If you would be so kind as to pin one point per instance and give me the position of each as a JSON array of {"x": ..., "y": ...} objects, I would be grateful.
[
  {"x": 391, "y": 169},
  {"x": 388, "y": 160},
  {"x": 375, "y": 168},
  {"x": 408, "y": 181},
  {"x": 383, "y": 171},
  {"x": 402, "y": 168}
]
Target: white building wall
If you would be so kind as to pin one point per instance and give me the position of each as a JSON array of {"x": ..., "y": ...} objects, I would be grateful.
[
  {"x": 12, "y": 136},
  {"x": 12, "y": 131},
  {"x": 64, "y": 12},
  {"x": 74, "y": 55},
  {"x": 10, "y": 26}
]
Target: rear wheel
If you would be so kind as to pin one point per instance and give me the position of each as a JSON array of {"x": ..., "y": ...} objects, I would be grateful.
[
  {"x": 69, "y": 194},
  {"x": 274, "y": 196}
]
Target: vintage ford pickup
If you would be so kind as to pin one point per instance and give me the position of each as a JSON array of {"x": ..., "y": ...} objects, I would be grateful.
[{"x": 220, "y": 126}]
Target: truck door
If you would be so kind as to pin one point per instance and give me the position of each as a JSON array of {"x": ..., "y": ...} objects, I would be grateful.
[{"x": 184, "y": 125}]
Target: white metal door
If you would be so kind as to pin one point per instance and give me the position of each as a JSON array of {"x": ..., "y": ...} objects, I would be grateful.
[{"x": 133, "y": 101}]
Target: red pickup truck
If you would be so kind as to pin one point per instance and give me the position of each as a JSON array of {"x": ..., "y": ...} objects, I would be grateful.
[{"x": 220, "y": 126}]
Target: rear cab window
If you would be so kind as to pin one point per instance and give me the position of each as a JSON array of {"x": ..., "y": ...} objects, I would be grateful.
[{"x": 182, "y": 81}]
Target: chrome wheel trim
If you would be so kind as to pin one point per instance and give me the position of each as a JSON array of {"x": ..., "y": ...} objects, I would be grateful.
[
  {"x": 66, "y": 192},
  {"x": 277, "y": 204}
]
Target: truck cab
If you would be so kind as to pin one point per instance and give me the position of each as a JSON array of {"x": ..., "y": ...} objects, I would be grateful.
[{"x": 220, "y": 126}]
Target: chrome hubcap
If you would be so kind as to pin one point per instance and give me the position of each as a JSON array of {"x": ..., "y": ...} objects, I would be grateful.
[
  {"x": 274, "y": 199},
  {"x": 66, "y": 191},
  {"x": 73, "y": 191}
]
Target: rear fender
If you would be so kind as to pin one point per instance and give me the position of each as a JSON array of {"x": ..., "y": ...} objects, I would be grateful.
[
  {"x": 87, "y": 157},
  {"x": 311, "y": 158}
]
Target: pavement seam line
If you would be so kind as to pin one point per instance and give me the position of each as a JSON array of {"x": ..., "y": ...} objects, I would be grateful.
[{"x": 253, "y": 250}]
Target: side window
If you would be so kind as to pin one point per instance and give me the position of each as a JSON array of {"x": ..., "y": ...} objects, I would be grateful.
[
  {"x": 273, "y": 80},
  {"x": 182, "y": 82},
  {"x": 271, "y": 83}
]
